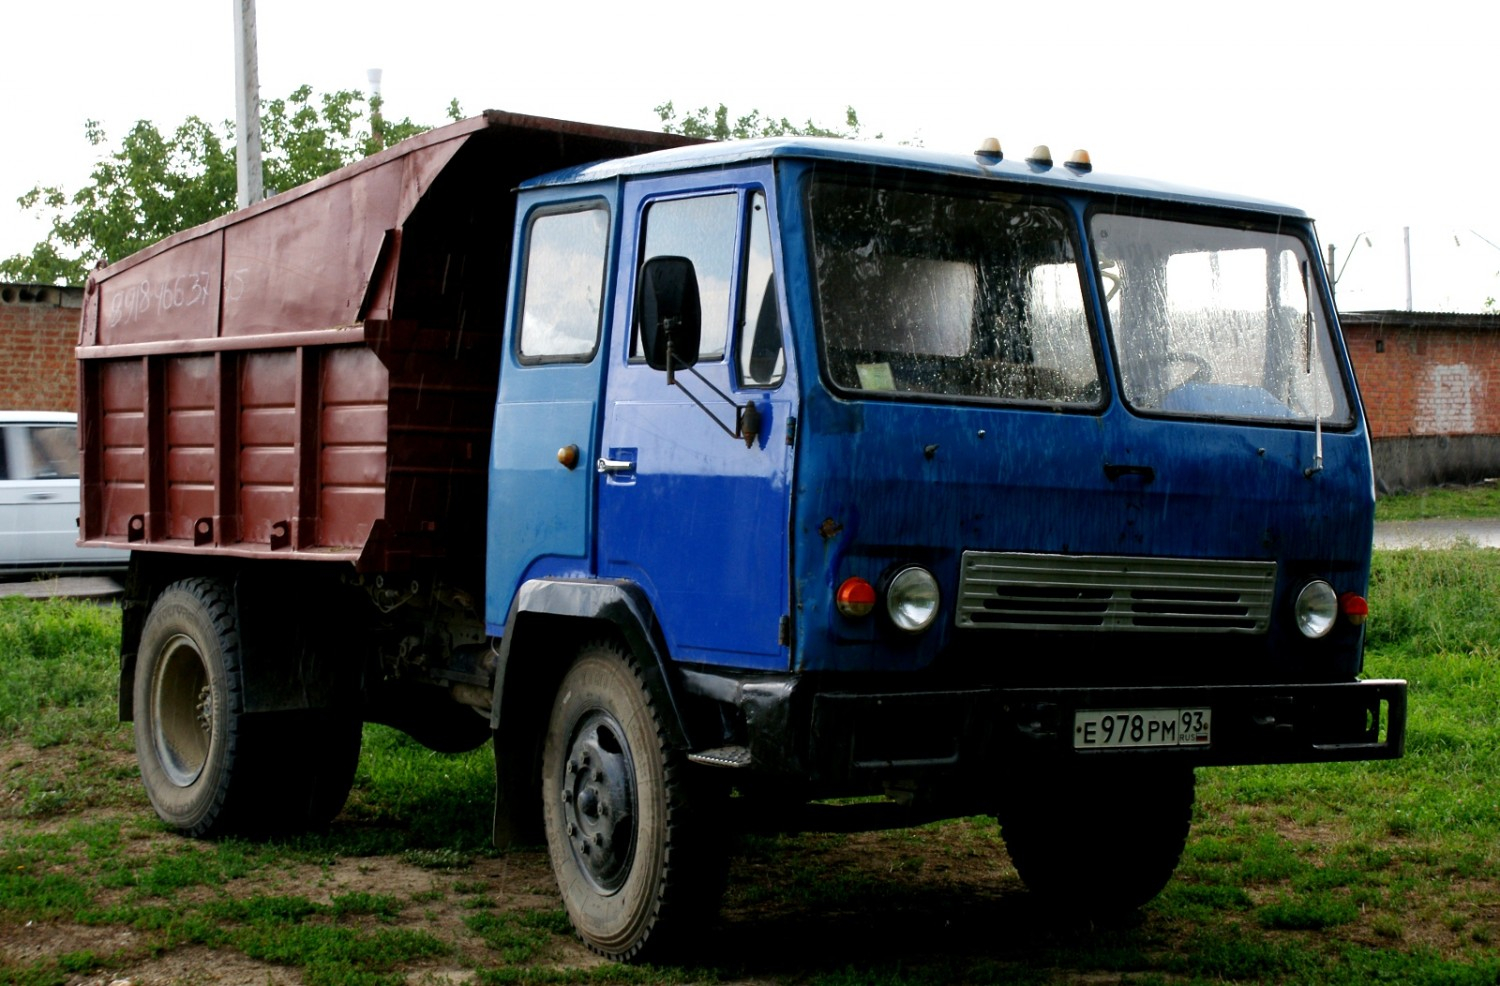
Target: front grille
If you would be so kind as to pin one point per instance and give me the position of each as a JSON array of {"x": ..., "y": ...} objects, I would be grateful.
[{"x": 1015, "y": 590}]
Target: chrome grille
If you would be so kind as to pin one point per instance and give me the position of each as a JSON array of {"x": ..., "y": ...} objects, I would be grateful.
[{"x": 1116, "y": 593}]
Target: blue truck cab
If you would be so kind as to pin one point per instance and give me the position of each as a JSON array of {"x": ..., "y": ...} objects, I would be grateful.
[
  {"x": 992, "y": 486},
  {"x": 775, "y": 484}
]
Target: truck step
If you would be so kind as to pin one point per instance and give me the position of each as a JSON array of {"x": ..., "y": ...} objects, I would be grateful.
[{"x": 723, "y": 756}]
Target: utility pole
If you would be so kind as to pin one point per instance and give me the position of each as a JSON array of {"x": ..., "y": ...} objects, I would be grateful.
[
  {"x": 377, "y": 122},
  {"x": 247, "y": 105},
  {"x": 1406, "y": 235}
]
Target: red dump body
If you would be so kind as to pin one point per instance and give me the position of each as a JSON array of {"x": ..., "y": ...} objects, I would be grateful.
[{"x": 314, "y": 376}]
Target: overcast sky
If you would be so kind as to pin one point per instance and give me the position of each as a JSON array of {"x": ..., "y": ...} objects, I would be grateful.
[{"x": 1370, "y": 122}]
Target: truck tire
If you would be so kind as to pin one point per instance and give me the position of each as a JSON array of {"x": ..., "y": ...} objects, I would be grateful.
[
  {"x": 187, "y": 729},
  {"x": 625, "y": 826},
  {"x": 208, "y": 769},
  {"x": 1100, "y": 841}
]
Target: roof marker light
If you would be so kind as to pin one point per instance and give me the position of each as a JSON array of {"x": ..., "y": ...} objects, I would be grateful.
[
  {"x": 1079, "y": 162},
  {"x": 1041, "y": 155},
  {"x": 989, "y": 149}
]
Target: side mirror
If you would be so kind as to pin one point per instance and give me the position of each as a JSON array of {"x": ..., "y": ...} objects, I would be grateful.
[{"x": 668, "y": 313}]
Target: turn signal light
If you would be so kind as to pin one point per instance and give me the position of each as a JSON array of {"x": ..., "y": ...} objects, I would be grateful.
[
  {"x": 855, "y": 598},
  {"x": 1354, "y": 607}
]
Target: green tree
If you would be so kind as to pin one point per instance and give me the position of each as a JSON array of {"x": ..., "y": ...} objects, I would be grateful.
[
  {"x": 154, "y": 184},
  {"x": 715, "y": 125}
]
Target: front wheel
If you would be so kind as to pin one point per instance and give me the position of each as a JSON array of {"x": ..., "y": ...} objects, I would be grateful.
[
  {"x": 625, "y": 822},
  {"x": 1099, "y": 840}
]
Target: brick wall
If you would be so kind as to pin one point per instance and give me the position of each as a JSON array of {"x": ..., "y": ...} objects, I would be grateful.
[
  {"x": 38, "y": 331},
  {"x": 1431, "y": 387},
  {"x": 1426, "y": 374}
]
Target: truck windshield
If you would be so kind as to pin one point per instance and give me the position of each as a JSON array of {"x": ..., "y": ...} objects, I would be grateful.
[
  {"x": 1217, "y": 321},
  {"x": 936, "y": 293}
]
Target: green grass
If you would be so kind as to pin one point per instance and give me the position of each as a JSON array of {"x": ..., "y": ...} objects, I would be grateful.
[
  {"x": 1441, "y": 503},
  {"x": 1320, "y": 874},
  {"x": 58, "y": 661}
]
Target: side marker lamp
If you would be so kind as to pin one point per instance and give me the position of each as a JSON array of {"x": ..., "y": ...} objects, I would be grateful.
[
  {"x": 855, "y": 598},
  {"x": 1354, "y": 608}
]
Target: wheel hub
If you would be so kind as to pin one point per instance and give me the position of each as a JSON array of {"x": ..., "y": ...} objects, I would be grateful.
[
  {"x": 182, "y": 713},
  {"x": 599, "y": 801}
]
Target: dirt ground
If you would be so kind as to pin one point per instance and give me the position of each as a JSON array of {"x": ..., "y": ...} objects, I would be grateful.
[
  {"x": 845, "y": 899},
  {"x": 941, "y": 903}
]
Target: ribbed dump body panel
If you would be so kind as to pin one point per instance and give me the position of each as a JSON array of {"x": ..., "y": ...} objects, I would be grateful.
[
  {"x": 1018, "y": 590},
  {"x": 315, "y": 376}
]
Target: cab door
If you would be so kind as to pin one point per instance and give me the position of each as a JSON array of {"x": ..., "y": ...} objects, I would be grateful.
[
  {"x": 541, "y": 495},
  {"x": 694, "y": 514}
]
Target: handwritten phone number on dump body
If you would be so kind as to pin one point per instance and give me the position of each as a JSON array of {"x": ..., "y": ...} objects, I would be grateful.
[
  {"x": 1098, "y": 729},
  {"x": 183, "y": 291}
]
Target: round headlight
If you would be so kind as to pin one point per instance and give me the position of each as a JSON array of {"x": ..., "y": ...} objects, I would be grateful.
[
  {"x": 1317, "y": 607},
  {"x": 912, "y": 599}
]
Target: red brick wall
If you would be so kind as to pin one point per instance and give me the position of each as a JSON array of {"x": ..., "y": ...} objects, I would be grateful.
[
  {"x": 38, "y": 331},
  {"x": 1425, "y": 374}
]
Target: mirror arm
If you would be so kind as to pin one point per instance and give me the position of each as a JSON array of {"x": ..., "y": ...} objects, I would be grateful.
[{"x": 746, "y": 417}]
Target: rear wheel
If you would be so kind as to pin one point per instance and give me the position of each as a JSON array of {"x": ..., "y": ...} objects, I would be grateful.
[
  {"x": 207, "y": 767},
  {"x": 626, "y": 824},
  {"x": 187, "y": 729},
  {"x": 1101, "y": 840}
]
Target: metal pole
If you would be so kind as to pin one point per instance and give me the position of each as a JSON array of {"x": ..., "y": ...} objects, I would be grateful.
[
  {"x": 1406, "y": 235},
  {"x": 377, "y": 123},
  {"x": 247, "y": 106}
]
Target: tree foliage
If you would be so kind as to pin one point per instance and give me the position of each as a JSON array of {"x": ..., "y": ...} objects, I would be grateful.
[
  {"x": 716, "y": 125},
  {"x": 155, "y": 184}
]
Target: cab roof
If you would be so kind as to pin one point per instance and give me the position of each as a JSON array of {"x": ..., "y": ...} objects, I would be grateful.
[{"x": 1056, "y": 175}]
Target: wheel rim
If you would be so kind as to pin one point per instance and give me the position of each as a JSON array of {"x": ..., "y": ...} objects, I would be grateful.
[
  {"x": 599, "y": 801},
  {"x": 182, "y": 711}
]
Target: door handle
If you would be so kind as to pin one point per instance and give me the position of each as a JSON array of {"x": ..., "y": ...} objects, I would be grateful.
[
  {"x": 614, "y": 465},
  {"x": 1113, "y": 471},
  {"x": 41, "y": 496}
]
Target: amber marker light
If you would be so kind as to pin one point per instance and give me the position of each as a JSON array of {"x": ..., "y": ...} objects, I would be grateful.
[
  {"x": 1354, "y": 607},
  {"x": 1079, "y": 162},
  {"x": 855, "y": 598}
]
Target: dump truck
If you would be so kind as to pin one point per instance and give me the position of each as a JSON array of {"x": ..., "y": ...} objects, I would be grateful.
[{"x": 796, "y": 483}]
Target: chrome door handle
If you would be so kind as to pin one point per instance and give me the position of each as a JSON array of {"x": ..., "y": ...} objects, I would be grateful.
[{"x": 615, "y": 465}]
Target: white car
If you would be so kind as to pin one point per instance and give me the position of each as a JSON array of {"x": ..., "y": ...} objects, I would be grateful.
[{"x": 39, "y": 496}]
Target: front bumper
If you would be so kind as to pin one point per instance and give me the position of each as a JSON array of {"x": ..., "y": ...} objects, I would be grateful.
[{"x": 868, "y": 735}]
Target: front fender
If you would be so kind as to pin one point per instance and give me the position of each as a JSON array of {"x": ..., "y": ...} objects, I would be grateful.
[
  {"x": 548, "y": 620},
  {"x": 620, "y": 605}
]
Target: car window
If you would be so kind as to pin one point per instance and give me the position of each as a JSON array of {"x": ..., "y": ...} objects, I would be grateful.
[{"x": 39, "y": 452}]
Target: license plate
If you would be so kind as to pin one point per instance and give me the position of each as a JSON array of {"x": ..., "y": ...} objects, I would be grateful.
[{"x": 1098, "y": 729}]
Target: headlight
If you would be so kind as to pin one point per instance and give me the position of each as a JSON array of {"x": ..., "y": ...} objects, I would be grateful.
[
  {"x": 1316, "y": 609},
  {"x": 912, "y": 599}
]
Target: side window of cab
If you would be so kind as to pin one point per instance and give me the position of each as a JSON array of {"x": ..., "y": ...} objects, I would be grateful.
[
  {"x": 761, "y": 359},
  {"x": 563, "y": 285},
  {"x": 727, "y": 237}
]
